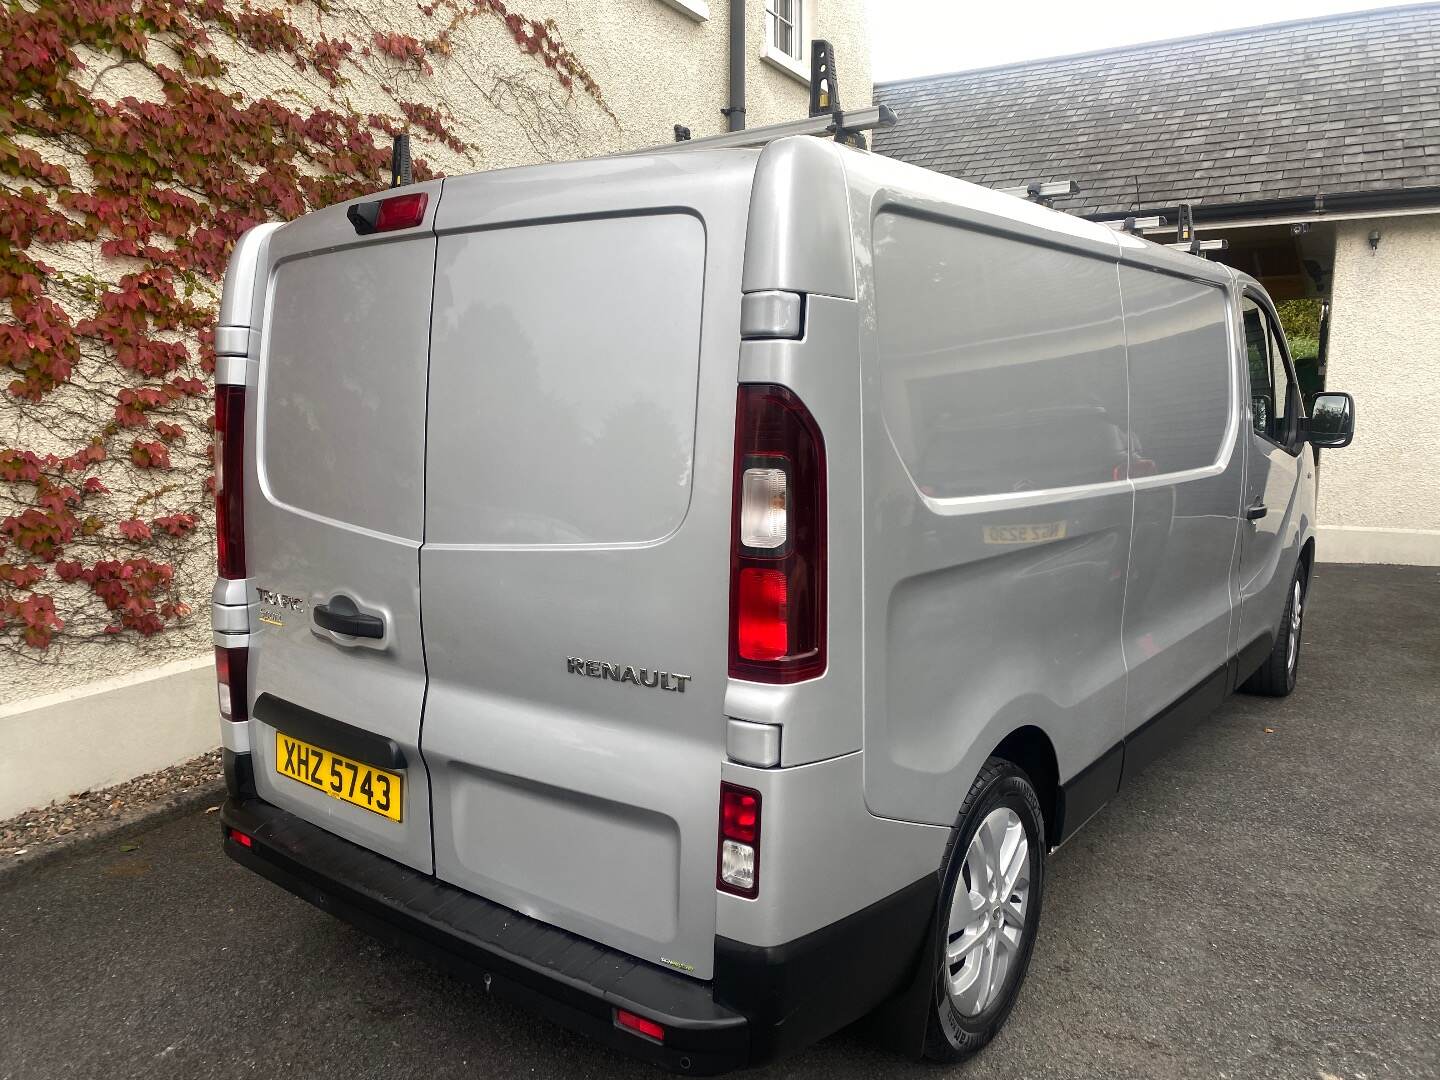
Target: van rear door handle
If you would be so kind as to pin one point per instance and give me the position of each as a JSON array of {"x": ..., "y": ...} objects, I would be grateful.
[
  {"x": 340, "y": 616},
  {"x": 1256, "y": 512}
]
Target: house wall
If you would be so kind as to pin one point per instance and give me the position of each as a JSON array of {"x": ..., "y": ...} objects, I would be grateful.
[
  {"x": 655, "y": 63},
  {"x": 1380, "y": 496}
]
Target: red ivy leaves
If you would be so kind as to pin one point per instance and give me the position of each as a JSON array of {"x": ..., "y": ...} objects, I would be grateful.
[
  {"x": 175, "y": 524},
  {"x": 149, "y": 455},
  {"x": 404, "y": 48},
  {"x": 132, "y": 588},
  {"x": 36, "y": 614},
  {"x": 174, "y": 183},
  {"x": 41, "y": 533},
  {"x": 21, "y": 577}
]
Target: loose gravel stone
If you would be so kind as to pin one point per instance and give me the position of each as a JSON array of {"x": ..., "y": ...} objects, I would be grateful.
[{"x": 23, "y": 834}]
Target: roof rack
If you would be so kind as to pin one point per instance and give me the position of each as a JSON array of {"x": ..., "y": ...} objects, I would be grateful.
[
  {"x": 826, "y": 116},
  {"x": 849, "y": 122}
]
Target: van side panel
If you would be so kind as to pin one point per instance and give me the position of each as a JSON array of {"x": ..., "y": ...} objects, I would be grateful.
[
  {"x": 1188, "y": 470},
  {"x": 999, "y": 512}
]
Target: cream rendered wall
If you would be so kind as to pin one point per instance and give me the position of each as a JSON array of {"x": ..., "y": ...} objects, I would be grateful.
[
  {"x": 660, "y": 67},
  {"x": 1380, "y": 496}
]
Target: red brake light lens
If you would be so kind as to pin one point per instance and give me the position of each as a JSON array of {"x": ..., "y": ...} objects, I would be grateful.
[
  {"x": 402, "y": 211},
  {"x": 763, "y": 624},
  {"x": 739, "y": 814},
  {"x": 230, "y": 480},
  {"x": 778, "y": 543},
  {"x": 240, "y": 838}
]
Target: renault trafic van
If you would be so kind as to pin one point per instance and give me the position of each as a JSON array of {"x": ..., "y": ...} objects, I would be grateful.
[{"x": 690, "y": 593}]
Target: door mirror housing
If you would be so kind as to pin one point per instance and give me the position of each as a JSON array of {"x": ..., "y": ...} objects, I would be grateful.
[{"x": 1332, "y": 420}]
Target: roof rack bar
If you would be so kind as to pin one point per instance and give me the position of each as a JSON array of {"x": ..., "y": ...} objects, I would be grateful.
[
  {"x": 1197, "y": 247},
  {"x": 1042, "y": 193},
  {"x": 847, "y": 122},
  {"x": 1136, "y": 225}
]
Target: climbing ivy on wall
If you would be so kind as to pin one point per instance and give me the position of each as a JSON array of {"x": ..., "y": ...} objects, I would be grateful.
[{"x": 117, "y": 216}]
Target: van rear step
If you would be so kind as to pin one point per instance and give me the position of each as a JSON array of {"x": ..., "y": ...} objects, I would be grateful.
[{"x": 577, "y": 983}]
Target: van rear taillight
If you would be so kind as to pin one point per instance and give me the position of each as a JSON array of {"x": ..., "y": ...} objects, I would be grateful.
[
  {"x": 777, "y": 574},
  {"x": 739, "y": 868},
  {"x": 232, "y": 679},
  {"x": 230, "y": 480}
]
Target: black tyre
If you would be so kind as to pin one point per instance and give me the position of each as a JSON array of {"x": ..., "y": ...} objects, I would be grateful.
[
  {"x": 989, "y": 911},
  {"x": 1276, "y": 676}
]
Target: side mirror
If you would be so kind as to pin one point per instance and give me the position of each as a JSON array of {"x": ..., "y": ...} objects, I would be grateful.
[{"x": 1332, "y": 420}]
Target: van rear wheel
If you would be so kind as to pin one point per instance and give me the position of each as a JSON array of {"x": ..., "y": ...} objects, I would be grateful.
[
  {"x": 989, "y": 911},
  {"x": 1276, "y": 676}
]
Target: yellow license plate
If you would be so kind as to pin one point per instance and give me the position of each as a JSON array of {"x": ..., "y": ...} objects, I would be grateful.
[
  {"x": 377, "y": 790},
  {"x": 1024, "y": 534}
]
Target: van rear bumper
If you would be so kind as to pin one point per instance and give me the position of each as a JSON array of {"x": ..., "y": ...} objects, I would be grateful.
[{"x": 784, "y": 997}]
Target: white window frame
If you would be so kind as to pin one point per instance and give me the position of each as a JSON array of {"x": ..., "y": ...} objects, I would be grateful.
[{"x": 796, "y": 64}]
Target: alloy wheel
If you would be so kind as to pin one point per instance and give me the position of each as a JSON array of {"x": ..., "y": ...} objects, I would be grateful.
[
  {"x": 986, "y": 926},
  {"x": 1292, "y": 653}
]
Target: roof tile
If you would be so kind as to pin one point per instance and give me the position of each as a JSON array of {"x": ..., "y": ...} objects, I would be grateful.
[{"x": 1343, "y": 103}]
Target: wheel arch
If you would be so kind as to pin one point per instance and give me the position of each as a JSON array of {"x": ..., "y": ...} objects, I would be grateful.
[{"x": 1030, "y": 749}]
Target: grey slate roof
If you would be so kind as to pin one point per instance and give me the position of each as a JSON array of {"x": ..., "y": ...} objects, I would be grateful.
[{"x": 1341, "y": 104}]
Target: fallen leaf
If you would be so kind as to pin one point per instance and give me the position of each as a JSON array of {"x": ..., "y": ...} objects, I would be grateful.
[
  {"x": 129, "y": 847},
  {"x": 1269, "y": 731},
  {"x": 212, "y": 809}
]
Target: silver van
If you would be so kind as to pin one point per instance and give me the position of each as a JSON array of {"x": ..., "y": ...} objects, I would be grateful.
[{"x": 690, "y": 593}]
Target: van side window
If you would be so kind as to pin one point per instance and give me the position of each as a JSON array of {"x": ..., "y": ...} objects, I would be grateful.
[
  {"x": 1178, "y": 348},
  {"x": 1002, "y": 363},
  {"x": 1274, "y": 403},
  {"x": 1287, "y": 396}
]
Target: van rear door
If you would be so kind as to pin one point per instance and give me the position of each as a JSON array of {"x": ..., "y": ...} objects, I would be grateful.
[
  {"x": 584, "y": 352},
  {"x": 334, "y": 517}
]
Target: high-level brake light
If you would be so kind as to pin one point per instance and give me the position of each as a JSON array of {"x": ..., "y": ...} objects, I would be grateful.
[
  {"x": 777, "y": 573},
  {"x": 386, "y": 215}
]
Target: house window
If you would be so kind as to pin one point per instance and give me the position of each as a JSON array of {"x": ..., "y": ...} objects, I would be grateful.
[{"x": 785, "y": 33}]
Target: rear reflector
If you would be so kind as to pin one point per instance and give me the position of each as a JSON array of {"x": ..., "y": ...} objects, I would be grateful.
[
  {"x": 739, "y": 868},
  {"x": 387, "y": 215},
  {"x": 240, "y": 838},
  {"x": 230, "y": 480},
  {"x": 640, "y": 1025},
  {"x": 778, "y": 543},
  {"x": 232, "y": 683}
]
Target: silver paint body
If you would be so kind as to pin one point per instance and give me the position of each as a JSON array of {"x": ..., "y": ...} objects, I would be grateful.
[{"x": 509, "y": 432}]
